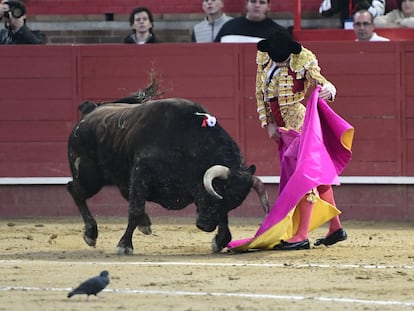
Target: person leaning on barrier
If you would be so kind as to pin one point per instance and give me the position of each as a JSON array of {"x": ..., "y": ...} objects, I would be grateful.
[
  {"x": 16, "y": 31},
  {"x": 402, "y": 17},
  {"x": 346, "y": 8},
  {"x": 363, "y": 23},
  {"x": 142, "y": 24},
  {"x": 207, "y": 30}
]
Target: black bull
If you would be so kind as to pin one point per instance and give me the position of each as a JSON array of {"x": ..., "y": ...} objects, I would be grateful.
[{"x": 159, "y": 151}]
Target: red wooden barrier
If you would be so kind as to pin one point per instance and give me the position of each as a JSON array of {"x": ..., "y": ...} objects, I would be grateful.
[
  {"x": 42, "y": 86},
  {"x": 38, "y": 92},
  {"x": 399, "y": 34},
  {"x": 56, "y": 7}
]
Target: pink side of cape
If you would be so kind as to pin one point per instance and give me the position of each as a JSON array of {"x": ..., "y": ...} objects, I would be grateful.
[{"x": 321, "y": 157}]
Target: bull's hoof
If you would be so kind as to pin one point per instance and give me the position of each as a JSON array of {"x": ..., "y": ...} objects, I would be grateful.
[
  {"x": 145, "y": 229},
  {"x": 124, "y": 250},
  {"x": 89, "y": 241},
  {"x": 90, "y": 234},
  {"x": 215, "y": 247}
]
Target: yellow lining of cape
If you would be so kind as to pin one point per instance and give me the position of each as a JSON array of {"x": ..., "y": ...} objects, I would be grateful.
[
  {"x": 347, "y": 138},
  {"x": 285, "y": 229}
]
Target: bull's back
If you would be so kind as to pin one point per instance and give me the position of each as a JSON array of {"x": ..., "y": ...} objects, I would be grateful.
[
  {"x": 165, "y": 130},
  {"x": 117, "y": 131}
]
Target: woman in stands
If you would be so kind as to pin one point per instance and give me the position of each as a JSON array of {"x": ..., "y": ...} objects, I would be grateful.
[
  {"x": 142, "y": 23},
  {"x": 398, "y": 18}
]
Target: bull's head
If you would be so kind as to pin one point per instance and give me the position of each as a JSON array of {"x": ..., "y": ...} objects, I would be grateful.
[
  {"x": 236, "y": 183},
  {"x": 234, "y": 187}
]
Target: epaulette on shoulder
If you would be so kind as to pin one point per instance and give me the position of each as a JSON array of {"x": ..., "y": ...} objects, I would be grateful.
[
  {"x": 302, "y": 60},
  {"x": 262, "y": 58}
]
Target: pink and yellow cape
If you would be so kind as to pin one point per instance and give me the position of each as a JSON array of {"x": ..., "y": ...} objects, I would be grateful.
[{"x": 315, "y": 157}]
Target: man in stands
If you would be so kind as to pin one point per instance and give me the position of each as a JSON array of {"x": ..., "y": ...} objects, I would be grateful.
[
  {"x": 207, "y": 30},
  {"x": 252, "y": 27},
  {"x": 141, "y": 21},
  {"x": 364, "y": 27},
  {"x": 346, "y": 8},
  {"x": 16, "y": 30}
]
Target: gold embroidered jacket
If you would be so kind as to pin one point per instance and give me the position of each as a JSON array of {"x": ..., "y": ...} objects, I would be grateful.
[{"x": 287, "y": 86}]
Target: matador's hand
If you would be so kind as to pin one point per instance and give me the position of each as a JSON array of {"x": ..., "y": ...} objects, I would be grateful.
[
  {"x": 272, "y": 129},
  {"x": 325, "y": 94}
]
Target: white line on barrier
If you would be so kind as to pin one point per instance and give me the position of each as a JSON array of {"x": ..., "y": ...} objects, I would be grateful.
[
  {"x": 218, "y": 294},
  {"x": 375, "y": 180},
  {"x": 216, "y": 264}
]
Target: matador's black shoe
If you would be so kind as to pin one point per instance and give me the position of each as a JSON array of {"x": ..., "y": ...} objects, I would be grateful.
[
  {"x": 338, "y": 236},
  {"x": 286, "y": 246}
]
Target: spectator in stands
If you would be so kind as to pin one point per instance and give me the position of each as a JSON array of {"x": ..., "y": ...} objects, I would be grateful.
[
  {"x": 346, "y": 8},
  {"x": 398, "y": 18},
  {"x": 252, "y": 27},
  {"x": 142, "y": 23},
  {"x": 363, "y": 23},
  {"x": 16, "y": 31},
  {"x": 207, "y": 30}
]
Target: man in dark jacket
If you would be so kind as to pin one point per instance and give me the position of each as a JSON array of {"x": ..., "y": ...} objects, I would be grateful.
[
  {"x": 142, "y": 24},
  {"x": 16, "y": 30},
  {"x": 254, "y": 26}
]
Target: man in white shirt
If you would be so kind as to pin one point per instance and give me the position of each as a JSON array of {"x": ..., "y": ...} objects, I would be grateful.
[{"x": 363, "y": 23}]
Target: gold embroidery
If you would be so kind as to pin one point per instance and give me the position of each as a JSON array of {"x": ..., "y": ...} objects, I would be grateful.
[
  {"x": 293, "y": 116},
  {"x": 312, "y": 196},
  {"x": 305, "y": 66}
]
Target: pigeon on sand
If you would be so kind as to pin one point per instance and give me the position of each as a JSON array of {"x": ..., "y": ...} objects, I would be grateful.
[{"x": 92, "y": 286}]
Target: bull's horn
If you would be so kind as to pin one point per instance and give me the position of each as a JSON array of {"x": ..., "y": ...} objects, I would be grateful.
[
  {"x": 259, "y": 187},
  {"x": 216, "y": 171}
]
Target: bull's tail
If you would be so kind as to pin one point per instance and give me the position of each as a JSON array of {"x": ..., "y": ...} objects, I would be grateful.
[
  {"x": 138, "y": 97},
  {"x": 142, "y": 96}
]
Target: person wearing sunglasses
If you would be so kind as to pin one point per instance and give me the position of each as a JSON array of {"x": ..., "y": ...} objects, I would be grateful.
[{"x": 363, "y": 24}]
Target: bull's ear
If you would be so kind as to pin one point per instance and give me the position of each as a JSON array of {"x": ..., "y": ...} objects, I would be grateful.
[{"x": 251, "y": 169}]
